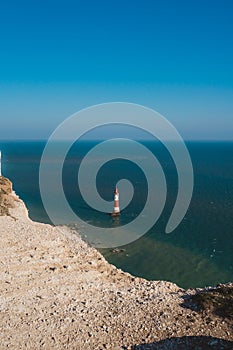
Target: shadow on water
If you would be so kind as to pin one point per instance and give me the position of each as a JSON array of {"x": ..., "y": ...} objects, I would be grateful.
[{"x": 188, "y": 343}]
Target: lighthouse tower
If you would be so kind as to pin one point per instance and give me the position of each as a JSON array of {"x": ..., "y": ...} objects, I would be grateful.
[{"x": 116, "y": 208}]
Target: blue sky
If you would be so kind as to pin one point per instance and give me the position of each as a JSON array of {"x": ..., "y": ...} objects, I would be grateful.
[{"x": 57, "y": 57}]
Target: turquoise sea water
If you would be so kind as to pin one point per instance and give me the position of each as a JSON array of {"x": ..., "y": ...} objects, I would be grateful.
[{"x": 198, "y": 253}]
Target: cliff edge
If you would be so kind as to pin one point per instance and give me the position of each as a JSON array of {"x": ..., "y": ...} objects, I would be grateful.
[
  {"x": 59, "y": 293},
  {"x": 6, "y": 198}
]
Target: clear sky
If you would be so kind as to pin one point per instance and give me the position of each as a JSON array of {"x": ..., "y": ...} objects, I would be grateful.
[{"x": 57, "y": 57}]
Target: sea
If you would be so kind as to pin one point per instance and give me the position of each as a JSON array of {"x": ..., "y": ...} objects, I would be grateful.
[{"x": 198, "y": 253}]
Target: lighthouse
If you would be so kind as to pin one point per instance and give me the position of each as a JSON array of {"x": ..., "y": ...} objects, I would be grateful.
[{"x": 116, "y": 208}]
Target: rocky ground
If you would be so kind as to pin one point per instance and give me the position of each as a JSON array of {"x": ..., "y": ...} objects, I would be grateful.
[
  {"x": 59, "y": 293},
  {"x": 6, "y": 200}
]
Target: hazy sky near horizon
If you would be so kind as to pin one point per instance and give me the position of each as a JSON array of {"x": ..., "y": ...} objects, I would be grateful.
[{"x": 57, "y": 57}]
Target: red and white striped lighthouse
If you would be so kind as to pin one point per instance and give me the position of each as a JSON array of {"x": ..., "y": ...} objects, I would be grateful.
[{"x": 116, "y": 208}]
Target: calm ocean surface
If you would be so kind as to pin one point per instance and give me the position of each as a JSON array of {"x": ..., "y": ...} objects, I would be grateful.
[{"x": 198, "y": 253}]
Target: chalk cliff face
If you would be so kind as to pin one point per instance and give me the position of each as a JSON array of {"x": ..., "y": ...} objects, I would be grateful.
[
  {"x": 6, "y": 200},
  {"x": 59, "y": 293}
]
